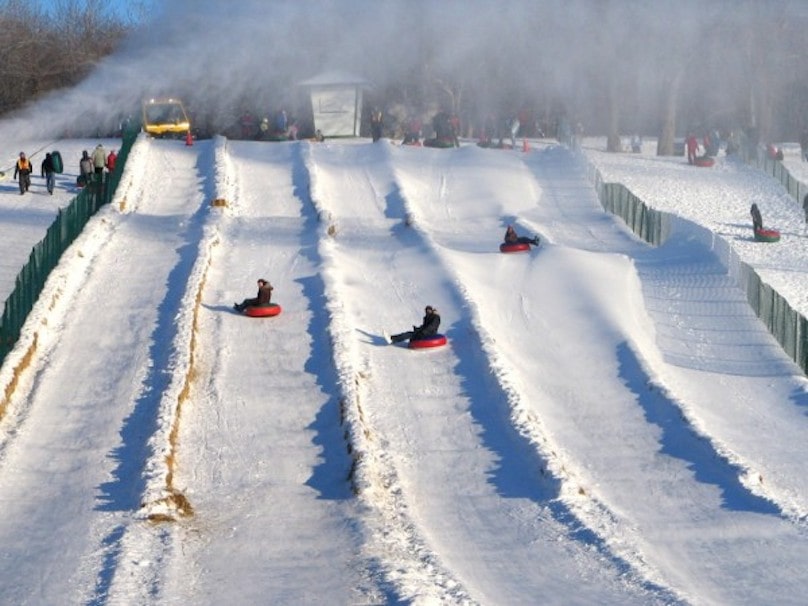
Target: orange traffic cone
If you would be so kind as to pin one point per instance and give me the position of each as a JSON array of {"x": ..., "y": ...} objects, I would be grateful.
[
  {"x": 189, "y": 140},
  {"x": 525, "y": 146}
]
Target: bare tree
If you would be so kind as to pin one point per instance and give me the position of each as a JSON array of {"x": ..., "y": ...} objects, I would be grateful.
[{"x": 43, "y": 50}]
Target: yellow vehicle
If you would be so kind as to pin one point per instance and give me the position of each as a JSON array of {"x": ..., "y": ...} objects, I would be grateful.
[{"x": 165, "y": 118}]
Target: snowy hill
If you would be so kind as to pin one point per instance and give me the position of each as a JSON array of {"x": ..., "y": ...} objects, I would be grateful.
[{"x": 609, "y": 423}]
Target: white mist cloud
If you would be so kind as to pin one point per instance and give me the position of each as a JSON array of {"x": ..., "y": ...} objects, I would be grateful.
[{"x": 224, "y": 57}]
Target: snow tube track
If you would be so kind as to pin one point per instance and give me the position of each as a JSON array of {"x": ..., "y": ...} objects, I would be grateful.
[
  {"x": 591, "y": 430},
  {"x": 532, "y": 350},
  {"x": 689, "y": 296},
  {"x": 92, "y": 458},
  {"x": 448, "y": 415}
]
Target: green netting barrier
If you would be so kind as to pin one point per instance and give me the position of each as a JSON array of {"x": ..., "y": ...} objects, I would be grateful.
[
  {"x": 789, "y": 327},
  {"x": 45, "y": 255}
]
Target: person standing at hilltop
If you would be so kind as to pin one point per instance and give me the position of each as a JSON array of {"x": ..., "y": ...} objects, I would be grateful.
[
  {"x": 692, "y": 145},
  {"x": 99, "y": 160},
  {"x": 376, "y": 123},
  {"x": 85, "y": 168},
  {"x": 757, "y": 219},
  {"x": 23, "y": 169},
  {"x": 112, "y": 158},
  {"x": 49, "y": 172}
]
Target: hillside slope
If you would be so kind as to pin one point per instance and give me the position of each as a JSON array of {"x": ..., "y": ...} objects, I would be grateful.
[{"x": 592, "y": 433}]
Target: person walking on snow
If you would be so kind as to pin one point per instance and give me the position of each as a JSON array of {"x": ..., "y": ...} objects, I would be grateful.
[
  {"x": 48, "y": 172},
  {"x": 429, "y": 328},
  {"x": 23, "y": 169},
  {"x": 264, "y": 297},
  {"x": 511, "y": 237}
]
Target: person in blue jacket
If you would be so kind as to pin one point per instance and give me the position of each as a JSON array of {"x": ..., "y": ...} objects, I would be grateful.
[{"x": 429, "y": 328}]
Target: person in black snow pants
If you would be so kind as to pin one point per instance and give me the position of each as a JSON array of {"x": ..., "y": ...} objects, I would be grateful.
[
  {"x": 264, "y": 297},
  {"x": 757, "y": 219},
  {"x": 23, "y": 169},
  {"x": 429, "y": 328}
]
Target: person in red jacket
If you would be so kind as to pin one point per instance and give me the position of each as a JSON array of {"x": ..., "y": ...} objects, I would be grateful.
[
  {"x": 112, "y": 158},
  {"x": 692, "y": 145}
]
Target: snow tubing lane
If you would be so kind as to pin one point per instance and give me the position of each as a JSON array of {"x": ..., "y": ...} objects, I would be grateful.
[
  {"x": 767, "y": 235},
  {"x": 704, "y": 161},
  {"x": 514, "y": 247},
  {"x": 262, "y": 311},
  {"x": 435, "y": 341}
]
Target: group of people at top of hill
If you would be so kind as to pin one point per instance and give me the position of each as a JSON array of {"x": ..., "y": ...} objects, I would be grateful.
[
  {"x": 88, "y": 165},
  {"x": 92, "y": 166}
]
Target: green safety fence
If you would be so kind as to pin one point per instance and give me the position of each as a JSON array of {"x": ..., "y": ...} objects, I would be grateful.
[
  {"x": 789, "y": 327},
  {"x": 45, "y": 255}
]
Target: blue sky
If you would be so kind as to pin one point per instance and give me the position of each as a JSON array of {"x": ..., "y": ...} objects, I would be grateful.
[{"x": 125, "y": 9}]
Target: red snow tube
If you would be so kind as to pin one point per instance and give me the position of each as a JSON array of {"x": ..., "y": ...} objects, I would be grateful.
[
  {"x": 704, "y": 161},
  {"x": 434, "y": 341},
  {"x": 767, "y": 235},
  {"x": 514, "y": 247},
  {"x": 262, "y": 311}
]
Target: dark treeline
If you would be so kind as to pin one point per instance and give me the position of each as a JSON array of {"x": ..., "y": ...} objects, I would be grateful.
[{"x": 42, "y": 50}]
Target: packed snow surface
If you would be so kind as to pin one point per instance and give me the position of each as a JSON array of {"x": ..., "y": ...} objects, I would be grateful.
[{"x": 609, "y": 422}]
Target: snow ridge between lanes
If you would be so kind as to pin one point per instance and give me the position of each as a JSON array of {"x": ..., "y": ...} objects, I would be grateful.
[
  {"x": 162, "y": 501},
  {"x": 144, "y": 546}
]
